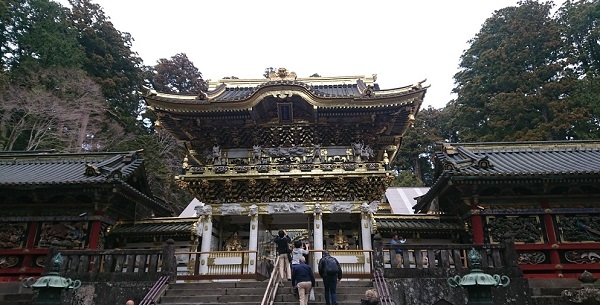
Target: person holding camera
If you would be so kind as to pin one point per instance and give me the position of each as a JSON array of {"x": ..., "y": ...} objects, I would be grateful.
[{"x": 283, "y": 249}]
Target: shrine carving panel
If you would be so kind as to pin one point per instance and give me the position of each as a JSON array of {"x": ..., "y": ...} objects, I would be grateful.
[
  {"x": 13, "y": 235},
  {"x": 583, "y": 256},
  {"x": 63, "y": 234},
  {"x": 530, "y": 257},
  {"x": 578, "y": 228},
  {"x": 525, "y": 229}
]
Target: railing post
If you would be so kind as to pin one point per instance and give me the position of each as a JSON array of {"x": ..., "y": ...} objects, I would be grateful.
[
  {"x": 378, "y": 252},
  {"x": 510, "y": 253},
  {"x": 169, "y": 260}
]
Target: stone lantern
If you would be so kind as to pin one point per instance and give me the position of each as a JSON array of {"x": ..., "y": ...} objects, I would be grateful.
[
  {"x": 478, "y": 284},
  {"x": 51, "y": 285}
]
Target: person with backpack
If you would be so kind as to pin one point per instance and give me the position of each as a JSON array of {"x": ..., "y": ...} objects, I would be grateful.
[
  {"x": 331, "y": 272},
  {"x": 283, "y": 250}
]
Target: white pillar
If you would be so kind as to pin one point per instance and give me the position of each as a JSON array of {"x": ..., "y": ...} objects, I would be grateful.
[
  {"x": 366, "y": 227},
  {"x": 317, "y": 235},
  {"x": 207, "y": 227},
  {"x": 253, "y": 242}
]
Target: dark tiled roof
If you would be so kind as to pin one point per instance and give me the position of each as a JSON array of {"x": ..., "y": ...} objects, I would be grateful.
[
  {"x": 506, "y": 161},
  {"x": 47, "y": 169},
  {"x": 333, "y": 90},
  {"x": 158, "y": 226},
  {"x": 414, "y": 223},
  {"x": 521, "y": 158},
  {"x": 31, "y": 168}
]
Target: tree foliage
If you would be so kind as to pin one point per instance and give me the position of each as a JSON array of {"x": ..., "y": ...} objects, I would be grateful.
[
  {"x": 109, "y": 60},
  {"x": 416, "y": 151},
  {"x": 406, "y": 179},
  {"x": 580, "y": 21},
  {"x": 512, "y": 84},
  {"x": 163, "y": 157},
  {"x": 177, "y": 75},
  {"x": 36, "y": 33}
]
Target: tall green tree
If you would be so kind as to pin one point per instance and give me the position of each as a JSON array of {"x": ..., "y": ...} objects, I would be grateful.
[
  {"x": 580, "y": 21},
  {"x": 177, "y": 75},
  {"x": 581, "y": 26},
  {"x": 36, "y": 34},
  {"x": 109, "y": 60},
  {"x": 511, "y": 84},
  {"x": 416, "y": 152}
]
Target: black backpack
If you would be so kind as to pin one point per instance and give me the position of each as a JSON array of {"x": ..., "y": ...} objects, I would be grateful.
[{"x": 330, "y": 265}]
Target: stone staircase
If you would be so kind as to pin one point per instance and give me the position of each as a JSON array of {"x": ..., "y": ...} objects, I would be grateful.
[
  {"x": 213, "y": 293},
  {"x": 348, "y": 293},
  {"x": 15, "y": 294},
  {"x": 251, "y": 292}
]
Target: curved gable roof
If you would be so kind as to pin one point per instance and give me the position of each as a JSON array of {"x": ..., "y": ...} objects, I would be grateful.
[{"x": 229, "y": 95}]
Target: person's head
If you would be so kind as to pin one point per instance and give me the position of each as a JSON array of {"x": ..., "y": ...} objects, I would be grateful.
[
  {"x": 371, "y": 295},
  {"x": 326, "y": 253},
  {"x": 281, "y": 233},
  {"x": 130, "y": 302},
  {"x": 395, "y": 237},
  {"x": 297, "y": 244},
  {"x": 302, "y": 260}
]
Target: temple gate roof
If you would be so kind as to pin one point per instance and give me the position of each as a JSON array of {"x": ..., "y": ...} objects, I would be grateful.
[{"x": 286, "y": 111}]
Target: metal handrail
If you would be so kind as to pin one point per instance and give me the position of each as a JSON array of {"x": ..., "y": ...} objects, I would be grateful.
[
  {"x": 157, "y": 289},
  {"x": 382, "y": 288},
  {"x": 274, "y": 280}
]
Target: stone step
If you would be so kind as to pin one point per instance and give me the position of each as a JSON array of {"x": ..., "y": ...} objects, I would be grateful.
[
  {"x": 213, "y": 285},
  {"x": 251, "y": 292},
  {"x": 176, "y": 291}
]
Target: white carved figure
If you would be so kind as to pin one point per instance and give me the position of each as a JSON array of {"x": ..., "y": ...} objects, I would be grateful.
[
  {"x": 253, "y": 210},
  {"x": 369, "y": 207},
  {"x": 286, "y": 207},
  {"x": 340, "y": 207},
  {"x": 216, "y": 153},
  {"x": 206, "y": 210},
  {"x": 318, "y": 209},
  {"x": 357, "y": 148},
  {"x": 256, "y": 152},
  {"x": 231, "y": 209},
  {"x": 367, "y": 152}
]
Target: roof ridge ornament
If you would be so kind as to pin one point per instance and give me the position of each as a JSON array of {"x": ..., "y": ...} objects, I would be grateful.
[
  {"x": 92, "y": 170},
  {"x": 418, "y": 85},
  {"x": 282, "y": 74}
]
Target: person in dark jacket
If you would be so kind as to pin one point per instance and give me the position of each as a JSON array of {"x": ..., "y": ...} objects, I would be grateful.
[
  {"x": 330, "y": 279},
  {"x": 283, "y": 248},
  {"x": 303, "y": 278}
]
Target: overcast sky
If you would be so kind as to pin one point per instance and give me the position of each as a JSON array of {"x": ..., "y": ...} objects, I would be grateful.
[{"x": 403, "y": 42}]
